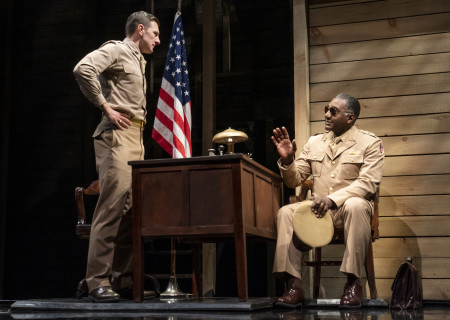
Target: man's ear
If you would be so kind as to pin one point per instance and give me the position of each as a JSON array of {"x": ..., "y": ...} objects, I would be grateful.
[
  {"x": 351, "y": 118},
  {"x": 140, "y": 29}
]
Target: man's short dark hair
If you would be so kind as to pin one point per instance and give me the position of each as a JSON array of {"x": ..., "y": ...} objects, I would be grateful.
[
  {"x": 137, "y": 18},
  {"x": 352, "y": 105}
]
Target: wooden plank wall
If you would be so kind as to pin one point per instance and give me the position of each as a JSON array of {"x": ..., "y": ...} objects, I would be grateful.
[{"x": 394, "y": 55}]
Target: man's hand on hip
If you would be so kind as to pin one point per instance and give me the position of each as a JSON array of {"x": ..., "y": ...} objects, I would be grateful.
[{"x": 119, "y": 119}]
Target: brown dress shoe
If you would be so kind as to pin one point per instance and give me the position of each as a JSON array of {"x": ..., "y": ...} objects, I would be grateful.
[
  {"x": 82, "y": 289},
  {"x": 293, "y": 296},
  {"x": 352, "y": 296},
  {"x": 103, "y": 294}
]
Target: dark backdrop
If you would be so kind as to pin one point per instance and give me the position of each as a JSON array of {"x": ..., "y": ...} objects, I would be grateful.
[{"x": 47, "y": 148}]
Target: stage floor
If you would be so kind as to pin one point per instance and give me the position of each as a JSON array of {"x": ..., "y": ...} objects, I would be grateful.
[{"x": 209, "y": 308}]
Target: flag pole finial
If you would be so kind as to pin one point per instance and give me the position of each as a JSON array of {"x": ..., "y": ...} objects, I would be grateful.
[{"x": 179, "y": 6}]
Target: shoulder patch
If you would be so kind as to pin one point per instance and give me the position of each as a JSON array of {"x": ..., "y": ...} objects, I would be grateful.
[{"x": 380, "y": 147}]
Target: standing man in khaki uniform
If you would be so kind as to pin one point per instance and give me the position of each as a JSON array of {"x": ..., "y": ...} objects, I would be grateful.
[
  {"x": 112, "y": 78},
  {"x": 346, "y": 165}
]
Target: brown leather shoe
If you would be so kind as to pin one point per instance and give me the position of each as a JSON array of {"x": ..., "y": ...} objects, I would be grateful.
[
  {"x": 103, "y": 294},
  {"x": 293, "y": 296},
  {"x": 352, "y": 296},
  {"x": 82, "y": 289}
]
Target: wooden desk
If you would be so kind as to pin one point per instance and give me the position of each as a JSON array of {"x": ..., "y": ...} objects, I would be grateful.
[{"x": 204, "y": 199}]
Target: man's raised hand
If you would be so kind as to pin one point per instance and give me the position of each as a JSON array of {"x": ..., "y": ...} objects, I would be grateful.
[{"x": 286, "y": 149}]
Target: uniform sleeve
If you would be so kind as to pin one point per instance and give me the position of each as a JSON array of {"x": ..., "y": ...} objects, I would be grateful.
[
  {"x": 369, "y": 179},
  {"x": 87, "y": 72},
  {"x": 297, "y": 171}
]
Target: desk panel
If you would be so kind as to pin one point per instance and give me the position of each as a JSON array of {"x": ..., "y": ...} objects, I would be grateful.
[{"x": 211, "y": 197}]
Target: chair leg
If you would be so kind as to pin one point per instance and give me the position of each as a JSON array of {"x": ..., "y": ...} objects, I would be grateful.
[
  {"x": 317, "y": 270},
  {"x": 370, "y": 272}
]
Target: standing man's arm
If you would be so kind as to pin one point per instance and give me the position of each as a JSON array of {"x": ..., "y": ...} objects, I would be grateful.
[{"x": 87, "y": 73}]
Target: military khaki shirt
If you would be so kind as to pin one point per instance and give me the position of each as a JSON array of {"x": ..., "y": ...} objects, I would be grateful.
[
  {"x": 354, "y": 171},
  {"x": 114, "y": 73}
]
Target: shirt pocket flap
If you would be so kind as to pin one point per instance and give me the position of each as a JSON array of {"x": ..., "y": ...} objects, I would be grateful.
[
  {"x": 130, "y": 70},
  {"x": 316, "y": 156},
  {"x": 352, "y": 158}
]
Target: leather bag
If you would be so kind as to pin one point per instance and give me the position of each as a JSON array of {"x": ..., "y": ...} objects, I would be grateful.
[{"x": 407, "y": 287}]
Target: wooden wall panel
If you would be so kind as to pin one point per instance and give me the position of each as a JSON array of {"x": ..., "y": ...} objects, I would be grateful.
[
  {"x": 395, "y": 106},
  {"x": 415, "y": 226},
  {"x": 382, "y": 87},
  {"x": 376, "y": 10},
  {"x": 399, "y": 247},
  {"x": 433, "y": 268},
  {"x": 414, "y": 165},
  {"x": 396, "y": 47},
  {"x": 414, "y": 205},
  {"x": 425, "y": 247},
  {"x": 415, "y": 185},
  {"x": 421, "y": 124},
  {"x": 417, "y": 144},
  {"x": 394, "y": 56},
  {"x": 379, "y": 68},
  {"x": 380, "y": 29}
]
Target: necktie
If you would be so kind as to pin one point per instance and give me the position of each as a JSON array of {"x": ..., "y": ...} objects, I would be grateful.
[
  {"x": 334, "y": 145},
  {"x": 142, "y": 63}
]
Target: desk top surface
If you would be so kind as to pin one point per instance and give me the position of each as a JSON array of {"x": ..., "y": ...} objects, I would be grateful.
[{"x": 226, "y": 158}]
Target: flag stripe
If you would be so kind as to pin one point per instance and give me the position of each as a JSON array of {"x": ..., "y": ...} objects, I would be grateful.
[
  {"x": 165, "y": 120},
  {"x": 162, "y": 141}
]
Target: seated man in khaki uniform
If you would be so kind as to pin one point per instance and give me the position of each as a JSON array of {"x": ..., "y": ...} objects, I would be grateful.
[{"x": 346, "y": 165}]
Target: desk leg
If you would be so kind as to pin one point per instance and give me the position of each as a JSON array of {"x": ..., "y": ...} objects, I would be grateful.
[
  {"x": 138, "y": 280},
  {"x": 241, "y": 265}
]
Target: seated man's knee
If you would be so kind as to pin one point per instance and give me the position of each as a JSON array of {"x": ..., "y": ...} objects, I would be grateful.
[
  {"x": 357, "y": 208},
  {"x": 355, "y": 204},
  {"x": 286, "y": 212}
]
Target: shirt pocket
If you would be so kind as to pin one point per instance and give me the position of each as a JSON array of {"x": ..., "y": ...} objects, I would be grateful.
[
  {"x": 132, "y": 78},
  {"x": 316, "y": 160},
  {"x": 351, "y": 165}
]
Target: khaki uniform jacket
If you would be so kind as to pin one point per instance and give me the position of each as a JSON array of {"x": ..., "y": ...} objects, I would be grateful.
[
  {"x": 114, "y": 73},
  {"x": 354, "y": 171}
]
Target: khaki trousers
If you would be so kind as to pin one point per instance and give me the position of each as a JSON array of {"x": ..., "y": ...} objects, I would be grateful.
[
  {"x": 110, "y": 243},
  {"x": 355, "y": 216}
]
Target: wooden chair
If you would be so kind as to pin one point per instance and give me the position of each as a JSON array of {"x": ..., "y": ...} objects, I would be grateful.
[
  {"x": 83, "y": 229},
  {"x": 338, "y": 238}
]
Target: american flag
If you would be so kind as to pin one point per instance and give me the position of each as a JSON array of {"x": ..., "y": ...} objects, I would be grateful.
[{"x": 172, "y": 127}]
